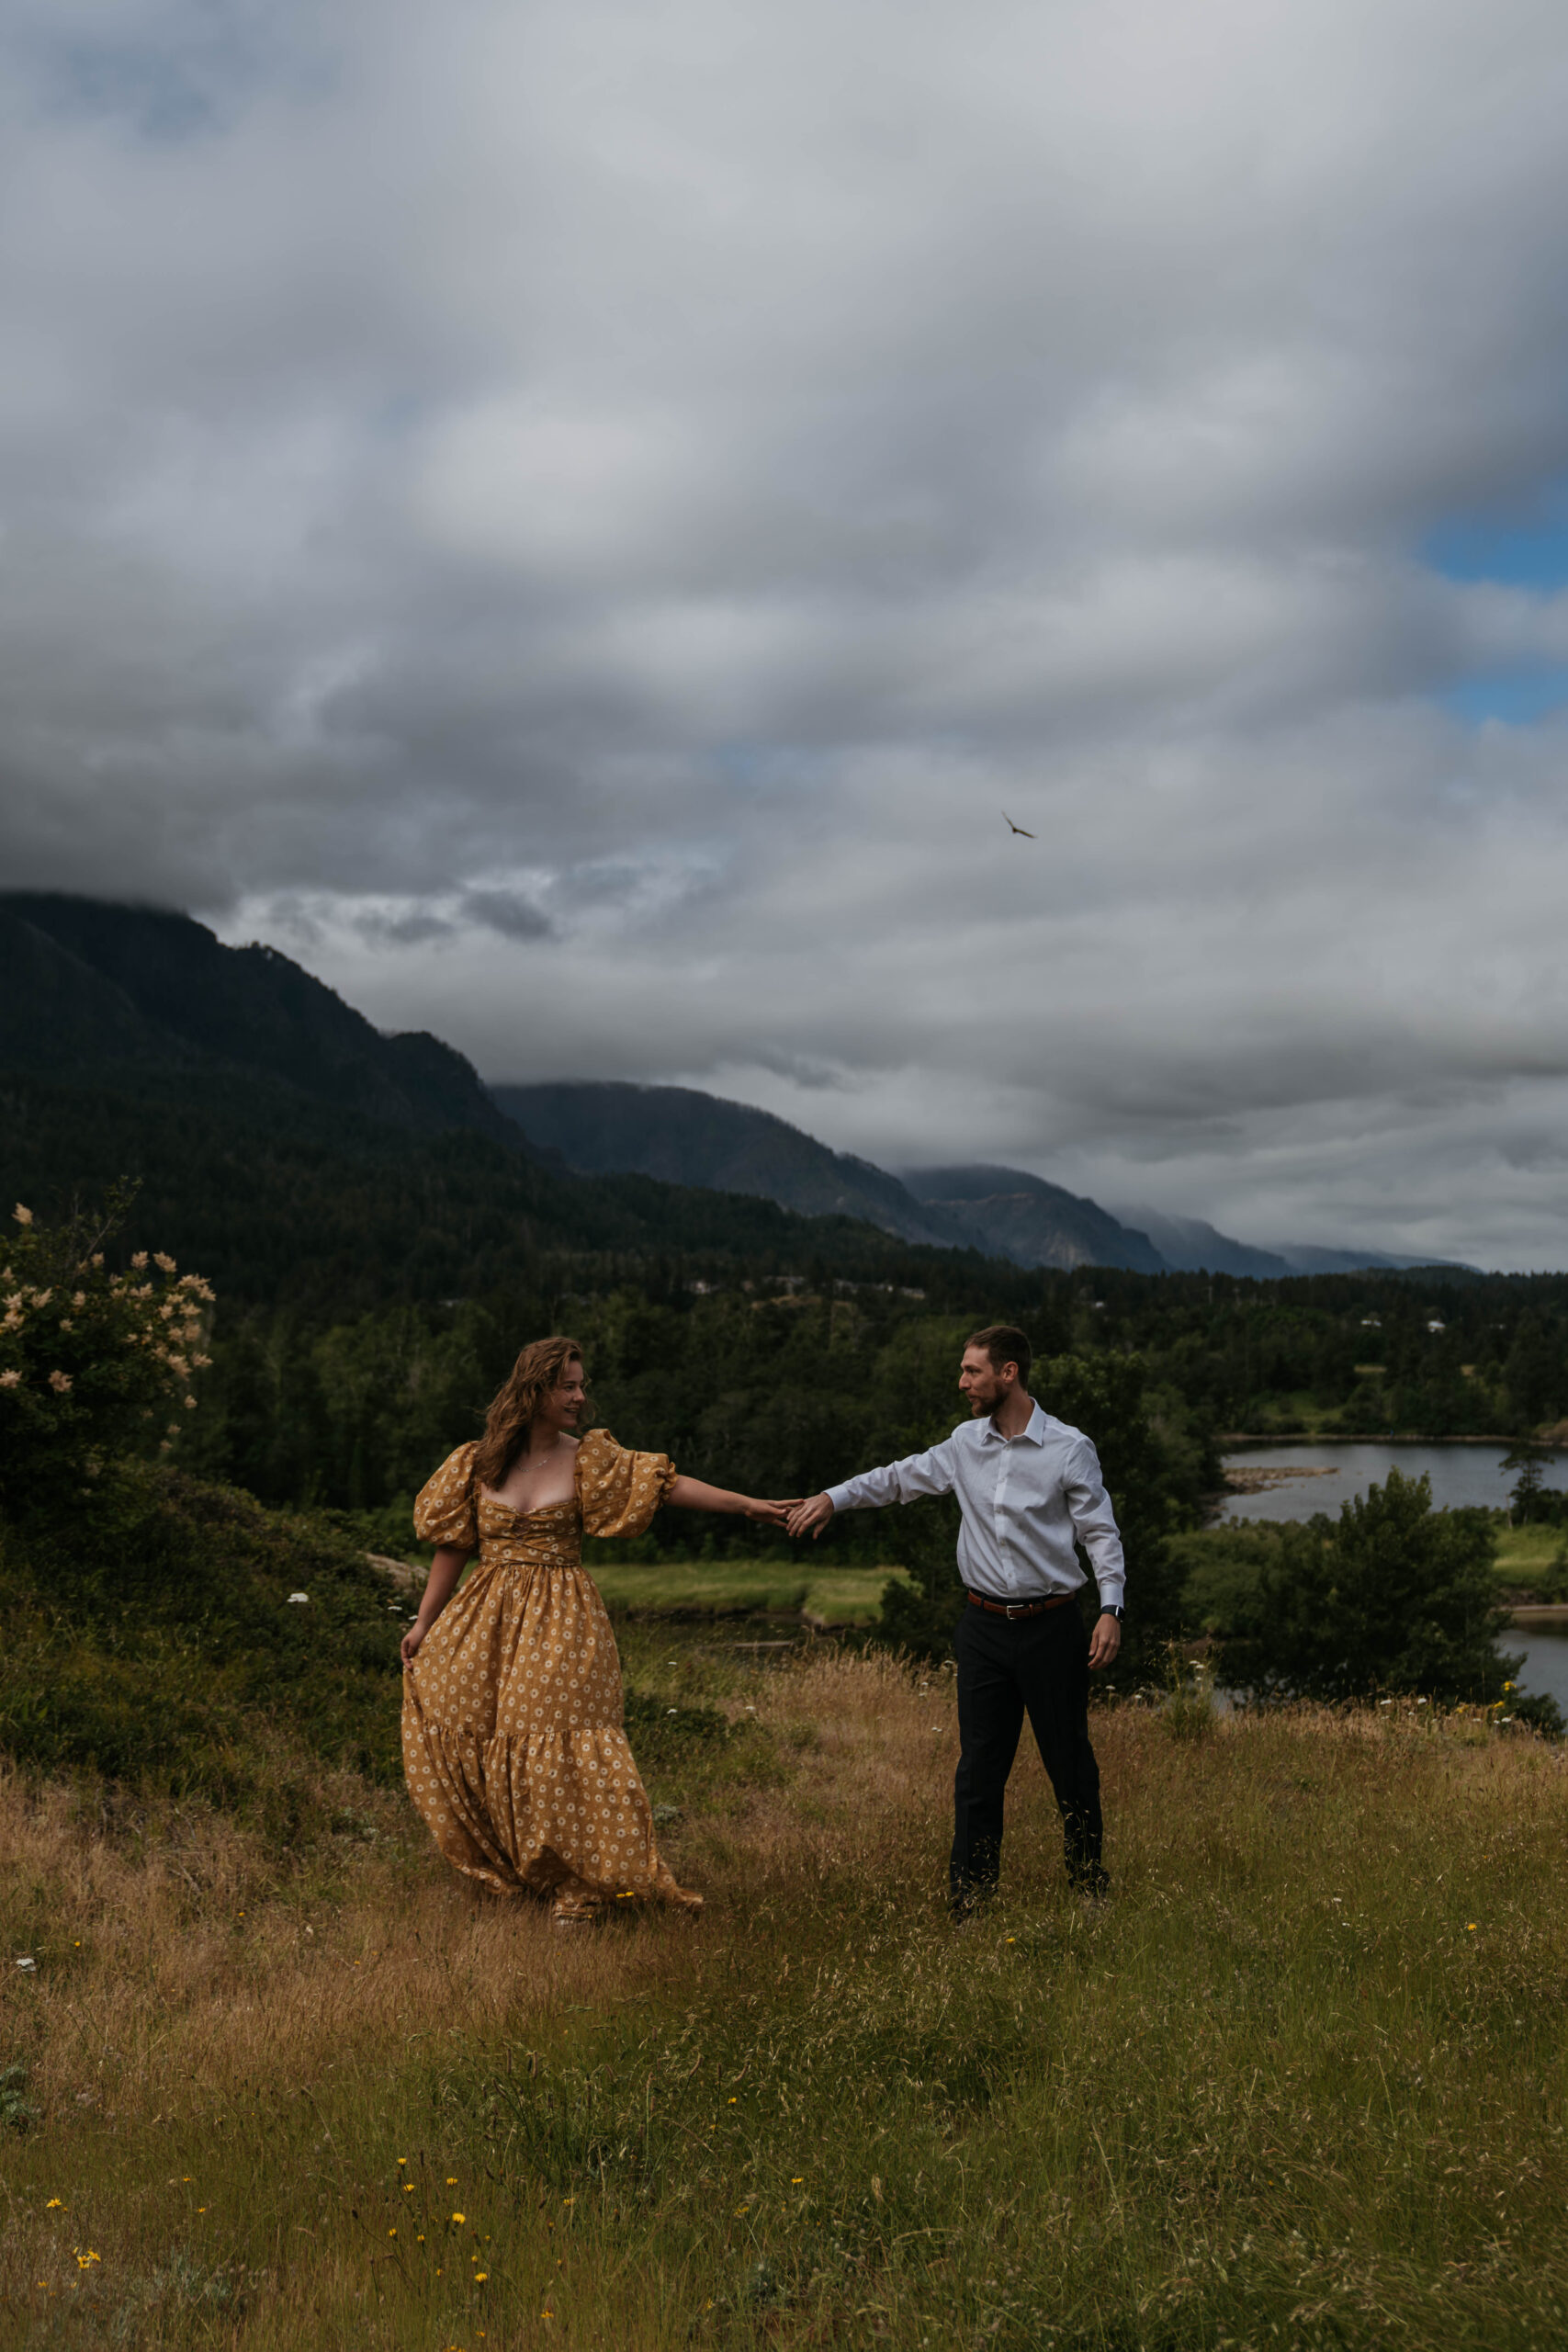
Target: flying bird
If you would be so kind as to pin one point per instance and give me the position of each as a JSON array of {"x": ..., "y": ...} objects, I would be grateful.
[{"x": 1018, "y": 829}]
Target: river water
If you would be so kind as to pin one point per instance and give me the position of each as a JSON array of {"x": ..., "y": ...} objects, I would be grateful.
[{"x": 1328, "y": 1476}]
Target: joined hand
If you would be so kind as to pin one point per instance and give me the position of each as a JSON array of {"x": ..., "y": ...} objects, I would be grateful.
[{"x": 810, "y": 1517}]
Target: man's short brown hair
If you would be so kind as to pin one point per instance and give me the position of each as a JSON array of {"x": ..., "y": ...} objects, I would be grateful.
[{"x": 1004, "y": 1344}]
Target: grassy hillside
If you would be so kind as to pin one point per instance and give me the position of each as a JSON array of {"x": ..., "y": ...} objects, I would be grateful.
[
  {"x": 150, "y": 1639},
  {"x": 1299, "y": 2082}
]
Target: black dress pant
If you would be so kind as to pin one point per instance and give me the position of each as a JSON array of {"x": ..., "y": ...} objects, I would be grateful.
[{"x": 1006, "y": 1665}]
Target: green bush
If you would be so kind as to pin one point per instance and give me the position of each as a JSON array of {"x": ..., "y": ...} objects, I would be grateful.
[{"x": 1394, "y": 1597}]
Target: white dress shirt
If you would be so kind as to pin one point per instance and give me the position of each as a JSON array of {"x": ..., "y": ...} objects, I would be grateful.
[{"x": 1023, "y": 1499}]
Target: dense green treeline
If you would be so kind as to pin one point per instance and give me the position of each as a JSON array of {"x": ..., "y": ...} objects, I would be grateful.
[
  {"x": 771, "y": 1391},
  {"x": 286, "y": 1203},
  {"x": 783, "y": 1389},
  {"x": 447, "y": 1250},
  {"x": 1436, "y": 1353}
]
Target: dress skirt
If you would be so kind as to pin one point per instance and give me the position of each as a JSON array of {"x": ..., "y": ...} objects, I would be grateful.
[{"x": 512, "y": 1737}]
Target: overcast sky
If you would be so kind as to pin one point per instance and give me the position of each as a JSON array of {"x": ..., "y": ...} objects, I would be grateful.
[{"x": 574, "y": 520}]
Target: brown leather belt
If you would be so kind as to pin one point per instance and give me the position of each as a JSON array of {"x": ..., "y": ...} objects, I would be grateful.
[{"x": 1020, "y": 1608}]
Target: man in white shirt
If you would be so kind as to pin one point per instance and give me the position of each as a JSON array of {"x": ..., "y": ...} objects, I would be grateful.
[{"x": 1028, "y": 1487}]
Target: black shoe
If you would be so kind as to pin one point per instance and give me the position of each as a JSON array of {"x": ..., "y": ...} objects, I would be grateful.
[{"x": 1095, "y": 1884}]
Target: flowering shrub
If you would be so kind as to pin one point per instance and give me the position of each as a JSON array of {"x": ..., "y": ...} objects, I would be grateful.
[{"x": 92, "y": 1364}]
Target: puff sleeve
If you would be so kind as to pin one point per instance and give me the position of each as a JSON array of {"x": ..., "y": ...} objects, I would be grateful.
[
  {"x": 444, "y": 1511},
  {"x": 618, "y": 1491}
]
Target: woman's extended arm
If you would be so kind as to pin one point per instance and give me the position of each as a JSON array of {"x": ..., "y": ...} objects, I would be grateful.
[
  {"x": 691, "y": 1494},
  {"x": 450, "y": 1561}
]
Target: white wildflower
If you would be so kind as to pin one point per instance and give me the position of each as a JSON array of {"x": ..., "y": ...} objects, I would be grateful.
[
  {"x": 161, "y": 1259},
  {"x": 10, "y": 1379},
  {"x": 60, "y": 1381},
  {"x": 298, "y": 1596},
  {"x": 22, "y": 1216},
  {"x": 140, "y": 1259}
]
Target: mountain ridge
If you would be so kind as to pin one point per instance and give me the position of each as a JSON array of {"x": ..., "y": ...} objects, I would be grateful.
[
  {"x": 98, "y": 994},
  {"x": 1013, "y": 1214},
  {"x": 681, "y": 1135},
  {"x": 88, "y": 986}
]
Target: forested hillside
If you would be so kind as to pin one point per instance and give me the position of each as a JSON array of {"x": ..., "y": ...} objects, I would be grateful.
[
  {"x": 96, "y": 993},
  {"x": 684, "y": 1137}
]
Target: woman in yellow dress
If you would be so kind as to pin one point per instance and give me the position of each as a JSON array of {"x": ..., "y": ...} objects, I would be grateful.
[{"x": 513, "y": 1738}]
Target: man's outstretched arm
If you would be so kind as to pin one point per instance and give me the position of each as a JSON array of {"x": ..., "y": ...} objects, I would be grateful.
[{"x": 896, "y": 1482}]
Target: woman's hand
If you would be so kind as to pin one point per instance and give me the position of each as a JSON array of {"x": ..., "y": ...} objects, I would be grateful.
[
  {"x": 409, "y": 1647},
  {"x": 768, "y": 1514}
]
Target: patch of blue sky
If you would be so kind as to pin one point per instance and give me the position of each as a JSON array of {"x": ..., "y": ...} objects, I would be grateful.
[
  {"x": 1524, "y": 545},
  {"x": 1521, "y": 548},
  {"x": 1517, "y": 699}
]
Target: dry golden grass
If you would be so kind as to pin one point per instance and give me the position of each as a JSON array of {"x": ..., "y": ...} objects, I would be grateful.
[{"x": 1300, "y": 2081}]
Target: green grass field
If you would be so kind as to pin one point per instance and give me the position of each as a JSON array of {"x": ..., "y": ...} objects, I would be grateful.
[
  {"x": 1299, "y": 2083},
  {"x": 724, "y": 1589},
  {"x": 1534, "y": 1561}
]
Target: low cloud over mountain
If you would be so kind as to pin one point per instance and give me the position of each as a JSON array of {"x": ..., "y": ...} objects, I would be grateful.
[{"x": 576, "y": 524}]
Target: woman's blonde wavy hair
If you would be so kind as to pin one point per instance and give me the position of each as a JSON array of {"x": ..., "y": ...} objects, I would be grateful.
[{"x": 536, "y": 1370}]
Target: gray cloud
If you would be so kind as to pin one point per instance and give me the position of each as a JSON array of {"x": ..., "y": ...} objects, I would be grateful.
[
  {"x": 507, "y": 912},
  {"x": 577, "y": 521}
]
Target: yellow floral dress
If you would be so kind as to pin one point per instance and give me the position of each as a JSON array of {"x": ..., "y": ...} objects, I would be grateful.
[{"x": 513, "y": 1738}]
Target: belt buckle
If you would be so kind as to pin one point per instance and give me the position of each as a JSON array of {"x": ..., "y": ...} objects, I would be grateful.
[{"x": 1015, "y": 1609}]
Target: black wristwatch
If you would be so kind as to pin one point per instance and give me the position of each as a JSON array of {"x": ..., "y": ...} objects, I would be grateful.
[{"x": 1112, "y": 1609}]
